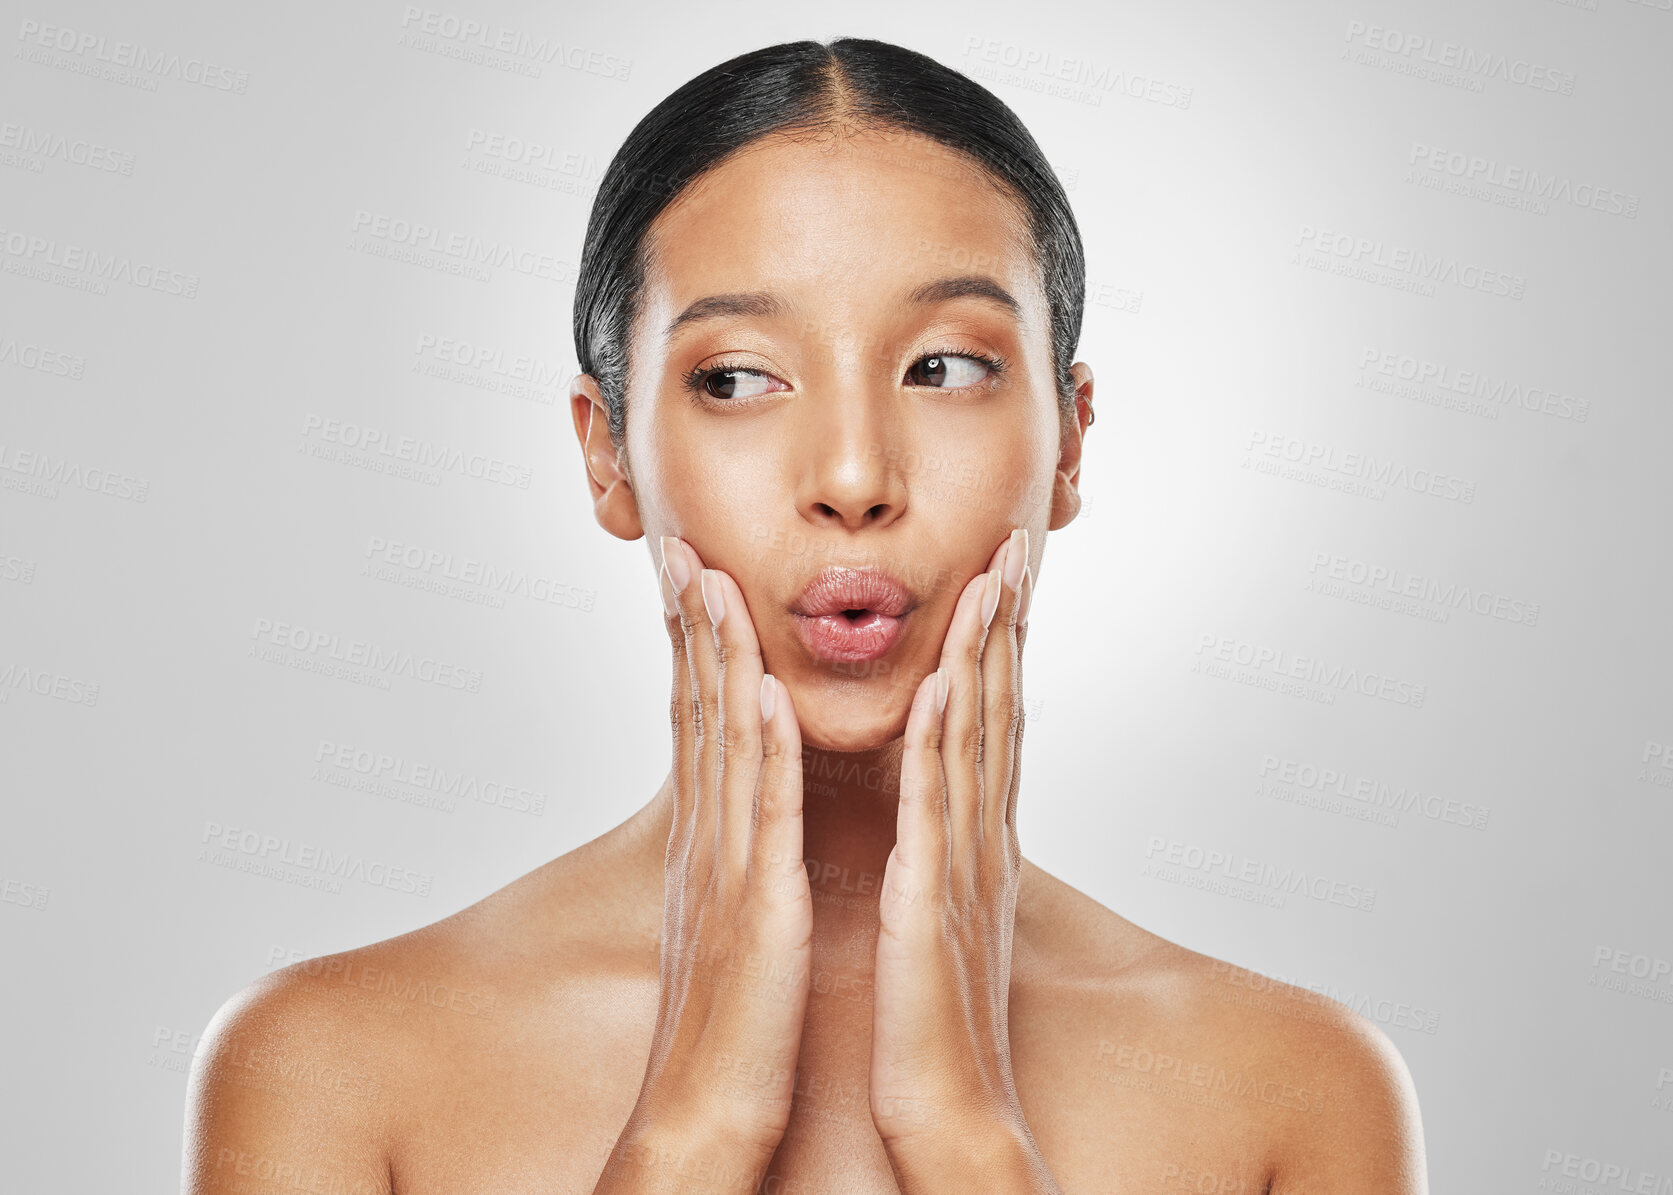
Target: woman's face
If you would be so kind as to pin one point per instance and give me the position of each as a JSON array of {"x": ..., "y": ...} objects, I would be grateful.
[{"x": 848, "y": 419}]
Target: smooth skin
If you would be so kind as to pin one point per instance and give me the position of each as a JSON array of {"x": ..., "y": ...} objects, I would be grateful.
[{"x": 816, "y": 960}]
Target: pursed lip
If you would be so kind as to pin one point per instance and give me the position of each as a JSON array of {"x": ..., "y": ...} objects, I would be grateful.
[
  {"x": 837, "y": 588},
  {"x": 831, "y": 635}
]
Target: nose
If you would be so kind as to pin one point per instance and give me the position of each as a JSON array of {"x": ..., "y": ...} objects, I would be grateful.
[{"x": 852, "y": 476}]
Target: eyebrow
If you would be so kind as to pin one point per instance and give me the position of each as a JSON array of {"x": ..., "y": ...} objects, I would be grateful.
[
  {"x": 976, "y": 286},
  {"x": 764, "y": 304}
]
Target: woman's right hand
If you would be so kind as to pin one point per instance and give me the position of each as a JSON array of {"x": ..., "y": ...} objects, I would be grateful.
[{"x": 737, "y": 924}]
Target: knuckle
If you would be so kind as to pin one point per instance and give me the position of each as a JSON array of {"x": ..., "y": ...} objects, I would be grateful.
[
  {"x": 920, "y": 790},
  {"x": 773, "y": 799},
  {"x": 779, "y": 771},
  {"x": 735, "y": 739},
  {"x": 704, "y": 718}
]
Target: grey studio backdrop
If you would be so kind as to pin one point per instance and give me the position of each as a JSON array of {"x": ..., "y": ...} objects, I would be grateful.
[{"x": 1353, "y": 671}]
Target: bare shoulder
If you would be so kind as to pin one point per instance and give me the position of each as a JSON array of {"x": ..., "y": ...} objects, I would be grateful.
[
  {"x": 1309, "y": 1086},
  {"x": 310, "y": 1074},
  {"x": 286, "y": 1089}
]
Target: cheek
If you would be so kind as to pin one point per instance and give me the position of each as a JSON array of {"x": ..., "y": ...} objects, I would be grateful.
[
  {"x": 993, "y": 480},
  {"x": 731, "y": 512},
  {"x": 687, "y": 487}
]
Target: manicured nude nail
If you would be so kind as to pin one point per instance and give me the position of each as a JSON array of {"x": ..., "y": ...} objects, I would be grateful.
[
  {"x": 670, "y": 606},
  {"x": 942, "y": 683},
  {"x": 1016, "y": 557},
  {"x": 769, "y": 698},
  {"x": 679, "y": 569},
  {"x": 714, "y": 601},
  {"x": 990, "y": 597},
  {"x": 1027, "y": 596}
]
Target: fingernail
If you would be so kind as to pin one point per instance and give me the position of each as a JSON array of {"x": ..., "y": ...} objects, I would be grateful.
[
  {"x": 942, "y": 684},
  {"x": 669, "y": 605},
  {"x": 679, "y": 570},
  {"x": 1016, "y": 557},
  {"x": 1027, "y": 596},
  {"x": 990, "y": 597},
  {"x": 713, "y": 600},
  {"x": 769, "y": 698}
]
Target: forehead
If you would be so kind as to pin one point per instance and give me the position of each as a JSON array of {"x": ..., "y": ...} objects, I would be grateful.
[{"x": 845, "y": 224}]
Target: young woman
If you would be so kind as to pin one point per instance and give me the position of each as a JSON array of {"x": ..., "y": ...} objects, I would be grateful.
[{"x": 827, "y": 310}]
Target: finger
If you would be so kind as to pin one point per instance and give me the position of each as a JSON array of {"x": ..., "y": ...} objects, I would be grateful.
[
  {"x": 740, "y": 671},
  {"x": 923, "y": 851},
  {"x": 684, "y": 568},
  {"x": 1025, "y": 601},
  {"x": 680, "y": 720},
  {"x": 961, "y": 736},
  {"x": 1002, "y": 690},
  {"x": 776, "y": 842}
]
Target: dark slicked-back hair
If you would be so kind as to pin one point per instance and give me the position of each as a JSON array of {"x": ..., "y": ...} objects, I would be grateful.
[{"x": 809, "y": 87}]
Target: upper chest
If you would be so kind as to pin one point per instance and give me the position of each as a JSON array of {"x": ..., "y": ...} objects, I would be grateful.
[{"x": 532, "y": 1100}]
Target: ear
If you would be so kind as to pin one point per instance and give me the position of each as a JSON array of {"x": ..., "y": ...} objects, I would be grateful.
[
  {"x": 1065, "y": 494},
  {"x": 614, "y": 504}
]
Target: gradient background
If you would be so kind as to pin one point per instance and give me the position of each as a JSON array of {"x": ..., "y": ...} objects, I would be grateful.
[{"x": 1309, "y": 457}]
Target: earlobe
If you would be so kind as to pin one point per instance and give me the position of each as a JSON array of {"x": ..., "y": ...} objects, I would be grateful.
[
  {"x": 1065, "y": 496},
  {"x": 614, "y": 504},
  {"x": 1065, "y": 503}
]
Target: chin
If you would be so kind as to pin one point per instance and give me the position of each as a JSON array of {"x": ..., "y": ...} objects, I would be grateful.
[{"x": 852, "y": 717}]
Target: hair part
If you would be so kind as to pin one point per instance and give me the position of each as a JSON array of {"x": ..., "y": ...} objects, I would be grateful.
[{"x": 809, "y": 88}]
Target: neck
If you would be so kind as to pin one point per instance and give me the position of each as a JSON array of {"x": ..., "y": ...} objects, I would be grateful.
[{"x": 850, "y": 800}]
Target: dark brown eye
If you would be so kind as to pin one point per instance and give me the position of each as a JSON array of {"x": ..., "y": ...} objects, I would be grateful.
[
  {"x": 935, "y": 371},
  {"x": 734, "y": 383}
]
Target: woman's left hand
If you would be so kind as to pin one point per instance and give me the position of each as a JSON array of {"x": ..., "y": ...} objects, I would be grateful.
[{"x": 942, "y": 1095}]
